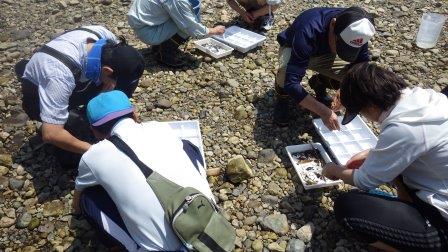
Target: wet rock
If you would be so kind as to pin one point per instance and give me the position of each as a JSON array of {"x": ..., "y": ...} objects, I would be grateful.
[
  {"x": 6, "y": 222},
  {"x": 53, "y": 208},
  {"x": 238, "y": 170},
  {"x": 274, "y": 189},
  {"x": 34, "y": 223},
  {"x": 23, "y": 220},
  {"x": 275, "y": 247},
  {"x": 276, "y": 222},
  {"x": 164, "y": 104},
  {"x": 257, "y": 245},
  {"x": 15, "y": 184},
  {"x": 6, "y": 160}
]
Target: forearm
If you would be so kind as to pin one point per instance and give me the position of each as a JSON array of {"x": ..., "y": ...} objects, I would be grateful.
[
  {"x": 314, "y": 106},
  {"x": 58, "y": 136},
  {"x": 236, "y": 7},
  {"x": 334, "y": 171}
]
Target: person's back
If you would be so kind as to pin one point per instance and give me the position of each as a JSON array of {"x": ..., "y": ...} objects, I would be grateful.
[{"x": 159, "y": 148}]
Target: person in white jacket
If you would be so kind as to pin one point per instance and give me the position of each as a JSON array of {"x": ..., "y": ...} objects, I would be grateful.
[{"x": 412, "y": 152}]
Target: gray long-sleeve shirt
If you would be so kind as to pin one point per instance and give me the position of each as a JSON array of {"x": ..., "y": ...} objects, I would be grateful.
[{"x": 156, "y": 12}]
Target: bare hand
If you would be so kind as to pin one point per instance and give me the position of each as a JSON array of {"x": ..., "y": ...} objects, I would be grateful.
[
  {"x": 328, "y": 171},
  {"x": 336, "y": 104},
  {"x": 357, "y": 160},
  {"x": 217, "y": 30},
  {"x": 331, "y": 122},
  {"x": 248, "y": 17}
]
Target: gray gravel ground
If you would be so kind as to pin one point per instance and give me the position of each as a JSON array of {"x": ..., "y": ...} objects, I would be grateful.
[{"x": 233, "y": 98}]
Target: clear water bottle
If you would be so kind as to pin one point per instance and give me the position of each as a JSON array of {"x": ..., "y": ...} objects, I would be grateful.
[{"x": 430, "y": 27}]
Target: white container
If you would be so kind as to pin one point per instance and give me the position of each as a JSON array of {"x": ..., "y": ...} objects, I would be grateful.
[
  {"x": 191, "y": 131},
  {"x": 241, "y": 39},
  {"x": 353, "y": 138},
  {"x": 213, "y": 47},
  {"x": 430, "y": 27},
  {"x": 301, "y": 168}
]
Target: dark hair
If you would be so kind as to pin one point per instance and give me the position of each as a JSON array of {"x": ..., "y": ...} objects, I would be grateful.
[
  {"x": 367, "y": 84},
  {"x": 106, "y": 128},
  {"x": 108, "y": 49}
]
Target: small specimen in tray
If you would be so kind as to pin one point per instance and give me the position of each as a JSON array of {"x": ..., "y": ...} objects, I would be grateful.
[
  {"x": 311, "y": 164},
  {"x": 214, "y": 48}
]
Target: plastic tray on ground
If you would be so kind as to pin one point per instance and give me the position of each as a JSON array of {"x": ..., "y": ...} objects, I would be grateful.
[
  {"x": 191, "y": 131},
  {"x": 307, "y": 170},
  {"x": 241, "y": 39},
  {"x": 353, "y": 138},
  {"x": 213, "y": 47}
]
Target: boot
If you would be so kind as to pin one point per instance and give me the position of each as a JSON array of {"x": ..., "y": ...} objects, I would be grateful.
[
  {"x": 320, "y": 89},
  {"x": 167, "y": 52}
]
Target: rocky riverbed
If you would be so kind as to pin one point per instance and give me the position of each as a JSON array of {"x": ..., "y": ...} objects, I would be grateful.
[{"x": 232, "y": 97}]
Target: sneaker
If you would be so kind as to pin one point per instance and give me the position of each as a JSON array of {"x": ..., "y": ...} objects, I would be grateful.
[
  {"x": 281, "y": 113},
  {"x": 267, "y": 22}
]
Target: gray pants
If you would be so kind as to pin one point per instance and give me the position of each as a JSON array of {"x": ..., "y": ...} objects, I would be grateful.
[{"x": 329, "y": 66}]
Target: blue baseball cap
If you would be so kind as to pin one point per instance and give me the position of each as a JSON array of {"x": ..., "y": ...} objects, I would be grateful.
[{"x": 108, "y": 106}]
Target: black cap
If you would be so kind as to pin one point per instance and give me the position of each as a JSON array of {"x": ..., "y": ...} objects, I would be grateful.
[
  {"x": 353, "y": 29},
  {"x": 128, "y": 65},
  {"x": 349, "y": 116}
]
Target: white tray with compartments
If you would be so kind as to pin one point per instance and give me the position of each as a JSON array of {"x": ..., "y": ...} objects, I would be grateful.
[
  {"x": 241, "y": 39},
  {"x": 213, "y": 47},
  {"x": 310, "y": 172},
  {"x": 353, "y": 138},
  {"x": 189, "y": 130}
]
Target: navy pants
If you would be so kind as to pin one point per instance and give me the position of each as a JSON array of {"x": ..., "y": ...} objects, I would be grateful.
[
  {"x": 101, "y": 212},
  {"x": 445, "y": 91}
]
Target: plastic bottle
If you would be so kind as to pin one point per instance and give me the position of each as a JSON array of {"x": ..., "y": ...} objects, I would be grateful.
[{"x": 429, "y": 31}]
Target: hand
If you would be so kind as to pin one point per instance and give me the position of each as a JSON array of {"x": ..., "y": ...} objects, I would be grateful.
[
  {"x": 331, "y": 121},
  {"x": 357, "y": 160},
  {"x": 336, "y": 104},
  {"x": 217, "y": 30},
  {"x": 329, "y": 171},
  {"x": 248, "y": 17}
]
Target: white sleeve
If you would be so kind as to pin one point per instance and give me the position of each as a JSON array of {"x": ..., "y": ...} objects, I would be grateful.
[
  {"x": 398, "y": 146},
  {"x": 85, "y": 177},
  {"x": 54, "y": 95}
]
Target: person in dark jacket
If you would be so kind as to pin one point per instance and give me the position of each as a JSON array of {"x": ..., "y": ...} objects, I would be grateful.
[{"x": 325, "y": 40}]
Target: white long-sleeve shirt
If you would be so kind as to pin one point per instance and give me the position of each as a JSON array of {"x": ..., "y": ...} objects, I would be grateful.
[{"x": 414, "y": 143}]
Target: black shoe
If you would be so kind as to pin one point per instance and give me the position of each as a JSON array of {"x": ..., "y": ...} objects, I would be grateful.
[
  {"x": 168, "y": 52},
  {"x": 281, "y": 113}
]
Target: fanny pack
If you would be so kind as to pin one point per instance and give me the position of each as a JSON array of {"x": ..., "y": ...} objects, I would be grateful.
[{"x": 195, "y": 219}]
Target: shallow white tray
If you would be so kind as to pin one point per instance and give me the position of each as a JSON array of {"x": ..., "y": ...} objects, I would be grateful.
[
  {"x": 241, "y": 39},
  {"x": 224, "y": 49},
  {"x": 353, "y": 138},
  {"x": 293, "y": 149},
  {"x": 189, "y": 130}
]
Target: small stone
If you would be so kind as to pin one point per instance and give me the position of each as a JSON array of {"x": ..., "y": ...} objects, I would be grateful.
[
  {"x": 238, "y": 170},
  {"x": 29, "y": 249},
  {"x": 274, "y": 189},
  {"x": 257, "y": 245},
  {"x": 266, "y": 156},
  {"x": 250, "y": 220},
  {"x": 276, "y": 222},
  {"x": 234, "y": 140},
  {"x": 281, "y": 172},
  {"x": 146, "y": 83},
  {"x": 106, "y": 2},
  {"x": 34, "y": 223},
  {"x": 233, "y": 83},
  {"x": 305, "y": 233},
  {"x": 295, "y": 245},
  {"x": 23, "y": 220},
  {"x": 164, "y": 103},
  {"x": 3, "y": 170},
  {"x": 6, "y": 160},
  {"x": 6, "y": 222},
  {"x": 275, "y": 247},
  {"x": 240, "y": 113},
  {"x": 392, "y": 52},
  {"x": 15, "y": 184},
  {"x": 213, "y": 171},
  {"x": 77, "y": 18},
  {"x": 53, "y": 208}
]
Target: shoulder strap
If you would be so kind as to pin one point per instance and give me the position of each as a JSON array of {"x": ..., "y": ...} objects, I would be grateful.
[
  {"x": 121, "y": 145},
  {"x": 87, "y": 30},
  {"x": 64, "y": 59}
]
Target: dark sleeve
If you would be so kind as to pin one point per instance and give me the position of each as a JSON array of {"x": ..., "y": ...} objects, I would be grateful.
[
  {"x": 363, "y": 54},
  {"x": 302, "y": 47}
]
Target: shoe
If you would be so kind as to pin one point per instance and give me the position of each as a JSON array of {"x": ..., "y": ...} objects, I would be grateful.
[
  {"x": 281, "y": 112},
  {"x": 167, "y": 53},
  {"x": 267, "y": 22}
]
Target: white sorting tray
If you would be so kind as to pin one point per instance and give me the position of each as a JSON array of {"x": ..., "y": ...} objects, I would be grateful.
[
  {"x": 224, "y": 49},
  {"x": 353, "y": 138},
  {"x": 189, "y": 130},
  {"x": 241, "y": 39},
  {"x": 300, "y": 169}
]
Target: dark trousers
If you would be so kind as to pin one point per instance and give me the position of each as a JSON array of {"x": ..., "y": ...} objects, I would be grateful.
[
  {"x": 403, "y": 225},
  {"x": 445, "y": 91}
]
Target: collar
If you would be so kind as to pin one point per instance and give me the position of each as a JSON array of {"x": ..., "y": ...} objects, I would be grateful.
[{"x": 121, "y": 125}]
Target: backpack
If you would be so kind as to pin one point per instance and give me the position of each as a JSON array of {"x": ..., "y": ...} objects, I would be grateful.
[{"x": 195, "y": 219}]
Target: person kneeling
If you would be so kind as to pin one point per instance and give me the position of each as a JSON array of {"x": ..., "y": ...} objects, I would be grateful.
[
  {"x": 256, "y": 10},
  {"x": 412, "y": 151},
  {"x": 111, "y": 189}
]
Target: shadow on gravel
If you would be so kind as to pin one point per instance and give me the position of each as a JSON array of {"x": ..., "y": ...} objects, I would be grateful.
[{"x": 152, "y": 66}]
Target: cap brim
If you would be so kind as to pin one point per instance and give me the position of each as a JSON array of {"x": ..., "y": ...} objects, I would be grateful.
[
  {"x": 112, "y": 116},
  {"x": 346, "y": 52},
  {"x": 349, "y": 116}
]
